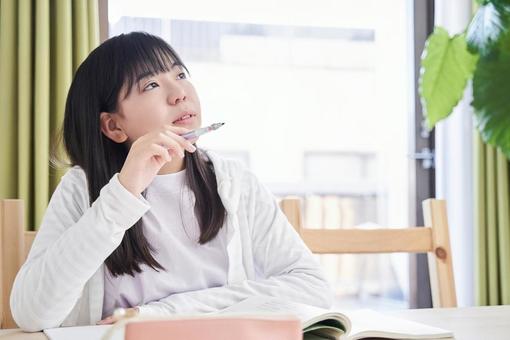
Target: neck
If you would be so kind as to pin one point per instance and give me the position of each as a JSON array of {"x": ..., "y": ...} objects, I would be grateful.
[{"x": 175, "y": 165}]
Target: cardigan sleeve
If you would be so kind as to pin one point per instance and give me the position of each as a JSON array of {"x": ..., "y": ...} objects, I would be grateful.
[{"x": 73, "y": 240}]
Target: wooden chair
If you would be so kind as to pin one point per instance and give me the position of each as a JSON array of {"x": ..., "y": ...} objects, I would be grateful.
[
  {"x": 15, "y": 242},
  {"x": 432, "y": 239}
]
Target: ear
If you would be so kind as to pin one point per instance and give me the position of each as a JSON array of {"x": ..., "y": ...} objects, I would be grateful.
[{"x": 111, "y": 128}]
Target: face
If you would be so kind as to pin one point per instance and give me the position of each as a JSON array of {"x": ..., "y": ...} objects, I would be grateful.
[{"x": 167, "y": 98}]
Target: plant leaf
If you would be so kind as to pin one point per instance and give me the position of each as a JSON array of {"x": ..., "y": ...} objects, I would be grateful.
[
  {"x": 446, "y": 66},
  {"x": 489, "y": 22},
  {"x": 498, "y": 2},
  {"x": 491, "y": 99}
]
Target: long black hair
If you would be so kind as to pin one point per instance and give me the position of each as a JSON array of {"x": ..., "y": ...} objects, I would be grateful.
[{"x": 96, "y": 88}]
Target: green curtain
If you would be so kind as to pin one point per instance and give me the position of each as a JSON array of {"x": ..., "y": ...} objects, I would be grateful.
[
  {"x": 492, "y": 225},
  {"x": 42, "y": 42}
]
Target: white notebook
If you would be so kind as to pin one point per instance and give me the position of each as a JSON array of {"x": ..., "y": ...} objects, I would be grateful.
[{"x": 80, "y": 333}]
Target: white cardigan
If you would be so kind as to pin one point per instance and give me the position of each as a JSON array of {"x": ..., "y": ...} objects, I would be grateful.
[{"x": 61, "y": 282}]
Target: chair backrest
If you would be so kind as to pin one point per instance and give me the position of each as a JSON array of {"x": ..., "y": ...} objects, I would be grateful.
[
  {"x": 15, "y": 242},
  {"x": 432, "y": 239}
]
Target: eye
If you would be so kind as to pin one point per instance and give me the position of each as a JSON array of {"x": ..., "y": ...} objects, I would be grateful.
[
  {"x": 151, "y": 86},
  {"x": 182, "y": 75}
]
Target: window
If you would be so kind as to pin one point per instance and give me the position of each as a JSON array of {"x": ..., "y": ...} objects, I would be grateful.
[{"x": 316, "y": 100}]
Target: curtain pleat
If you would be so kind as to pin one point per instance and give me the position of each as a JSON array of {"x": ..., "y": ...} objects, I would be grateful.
[
  {"x": 62, "y": 30},
  {"x": 492, "y": 218},
  {"x": 80, "y": 17},
  {"x": 42, "y": 43},
  {"x": 480, "y": 226},
  {"x": 25, "y": 103},
  {"x": 8, "y": 102},
  {"x": 503, "y": 227},
  {"x": 93, "y": 26},
  {"x": 41, "y": 107}
]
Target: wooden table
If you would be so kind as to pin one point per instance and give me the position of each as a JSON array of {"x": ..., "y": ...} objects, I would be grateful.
[
  {"x": 490, "y": 323},
  {"x": 469, "y": 323}
]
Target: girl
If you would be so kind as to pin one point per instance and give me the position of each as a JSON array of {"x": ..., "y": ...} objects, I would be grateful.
[{"x": 146, "y": 220}]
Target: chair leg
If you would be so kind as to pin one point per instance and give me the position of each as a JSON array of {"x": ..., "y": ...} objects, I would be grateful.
[
  {"x": 12, "y": 252},
  {"x": 440, "y": 259}
]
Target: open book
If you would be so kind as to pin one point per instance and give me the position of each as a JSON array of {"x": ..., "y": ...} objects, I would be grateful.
[{"x": 319, "y": 324}]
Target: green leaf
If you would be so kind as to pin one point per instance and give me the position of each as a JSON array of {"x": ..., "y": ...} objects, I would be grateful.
[
  {"x": 491, "y": 98},
  {"x": 446, "y": 66},
  {"x": 498, "y": 2},
  {"x": 489, "y": 22}
]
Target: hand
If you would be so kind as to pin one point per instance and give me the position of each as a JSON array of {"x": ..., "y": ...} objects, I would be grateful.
[
  {"x": 129, "y": 312},
  {"x": 149, "y": 153}
]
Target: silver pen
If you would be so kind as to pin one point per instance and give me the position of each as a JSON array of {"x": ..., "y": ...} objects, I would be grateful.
[{"x": 199, "y": 132}]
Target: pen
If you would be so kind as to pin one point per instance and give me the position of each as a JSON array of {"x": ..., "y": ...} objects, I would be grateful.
[{"x": 198, "y": 132}]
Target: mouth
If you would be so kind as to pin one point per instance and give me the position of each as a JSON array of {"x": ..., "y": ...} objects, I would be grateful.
[{"x": 185, "y": 117}]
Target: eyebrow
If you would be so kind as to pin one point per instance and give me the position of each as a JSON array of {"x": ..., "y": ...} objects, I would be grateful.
[{"x": 147, "y": 74}]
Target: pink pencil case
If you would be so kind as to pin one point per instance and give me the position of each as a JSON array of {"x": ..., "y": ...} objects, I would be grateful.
[{"x": 215, "y": 328}]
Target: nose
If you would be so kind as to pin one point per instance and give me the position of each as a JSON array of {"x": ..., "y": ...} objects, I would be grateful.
[{"x": 176, "y": 95}]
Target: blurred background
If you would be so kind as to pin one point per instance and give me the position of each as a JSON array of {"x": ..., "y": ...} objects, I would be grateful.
[
  {"x": 316, "y": 102},
  {"x": 321, "y": 101}
]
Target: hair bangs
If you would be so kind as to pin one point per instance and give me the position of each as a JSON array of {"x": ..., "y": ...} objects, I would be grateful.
[{"x": 146, "y": 56}]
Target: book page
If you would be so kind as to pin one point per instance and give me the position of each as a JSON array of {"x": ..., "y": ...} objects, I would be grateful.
[
  {"x": 358, "y": 324},
  {"x": 368, "y": 323},
  {"x": 268, "y": 305}
]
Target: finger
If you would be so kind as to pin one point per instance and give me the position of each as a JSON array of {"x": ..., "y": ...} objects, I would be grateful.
[
  {"x": 168, "y": 153},
  {"x": 107, "y": 321},
  {"x": 174, "y": 153},
  {"x": 161, "y": 151},
  {"x": 193, "y": 140},
  {"x": 176, "y": 131},
  {"x": 186, "y": 144},
  {"x": 170, "y": 143}
]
